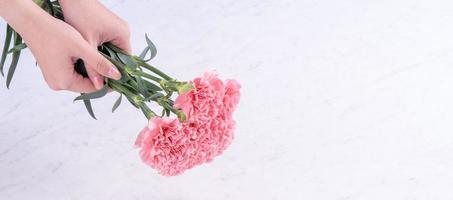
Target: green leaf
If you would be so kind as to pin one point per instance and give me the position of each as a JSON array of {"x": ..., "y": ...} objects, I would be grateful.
[
  {"x": 127, "y": 60},
  {"x": 163, "y": 113},
  {"x": 141, "y": 87},
  {"x": 9, "y": 32},
  {"x": 154, "y": 97},
  {"x": 152, "y": 87},
  {"x": 17, "y": 48},
  {"x": 143, "y": 53},
  {"x": 117, "y": 103},
  {"x": 56, "y": 3},
  {"x": 94, "y": 95},
  {"x": 112, "y": 54},
  {"x": 15, "y": 60},
  {"x": 152, "y": 47},
  {"x": 115, "y": 48},
  {"x": 132, "y": 102},
  {"x": 58, "y": 13},
  {"x": 87, "y": 103},
  {"x": 131, "y": 87}
]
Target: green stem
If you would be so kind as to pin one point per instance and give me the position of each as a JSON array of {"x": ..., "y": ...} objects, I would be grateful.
[
  {"x": 121, "y": 89},
  {"x": 140, "y": 62},
  {"x": 153, "y": 69},
  {"x": 148, "y": 76},
  {"x": 147, "y": 111}
]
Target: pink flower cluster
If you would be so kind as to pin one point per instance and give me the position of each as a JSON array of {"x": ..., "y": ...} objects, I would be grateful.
[{"x": 172, "y": 147}]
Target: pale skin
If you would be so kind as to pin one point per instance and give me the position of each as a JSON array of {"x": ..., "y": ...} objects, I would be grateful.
[{"x": 56, "y": 45}]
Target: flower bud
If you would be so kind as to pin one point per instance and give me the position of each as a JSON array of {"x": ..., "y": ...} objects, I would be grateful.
[
  {"x": 181, "y": 116},
  {"x": 137, "y": 100},
  {"x": 184, "y": 87}
]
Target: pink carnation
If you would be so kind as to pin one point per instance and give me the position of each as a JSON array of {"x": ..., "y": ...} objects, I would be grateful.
[
  {"x": 232, "y": 95},
  {"x": 164, "y": 146},
  {"x": 206, "y": 97},
  {"x": 172, "y": 147}
]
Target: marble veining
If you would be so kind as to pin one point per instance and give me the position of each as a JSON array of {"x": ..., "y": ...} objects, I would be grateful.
[{"x": 341, "y": 100}]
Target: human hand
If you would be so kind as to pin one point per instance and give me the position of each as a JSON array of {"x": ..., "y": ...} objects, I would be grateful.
[
  {"x": 57, "y": 62},
  {"x": 56, "y": 46},
  {"x": 97, "y": 25}
]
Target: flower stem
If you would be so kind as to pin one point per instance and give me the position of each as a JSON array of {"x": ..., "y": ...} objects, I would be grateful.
[
  {"x": 148, "y": 76},
  {"x": 153, "y": 69},
  {"x": 121, "y": 89},
  {"x": 147, "y": 111}
]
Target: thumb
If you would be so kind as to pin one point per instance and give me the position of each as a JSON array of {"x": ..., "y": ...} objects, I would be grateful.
[{"x": 99, "y": 64}]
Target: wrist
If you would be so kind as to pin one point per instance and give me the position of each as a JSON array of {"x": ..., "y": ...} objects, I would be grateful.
[
  {"x": 24, "y": 16},
  {"x": 16, "y": 11}
]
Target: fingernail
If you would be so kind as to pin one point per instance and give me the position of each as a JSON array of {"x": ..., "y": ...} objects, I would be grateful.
[
  {"x": 98, "y": 82},
  {"x": 114, "y": 73}
]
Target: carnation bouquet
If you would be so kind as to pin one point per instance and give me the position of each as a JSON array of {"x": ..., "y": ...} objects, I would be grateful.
[{"x": 195, "y": 122}]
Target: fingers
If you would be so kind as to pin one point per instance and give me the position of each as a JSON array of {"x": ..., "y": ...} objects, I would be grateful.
[
  {"x": 94, "y": 60},
  {"x": 74, "y": 82},
  {"x": 95, "y": 77},
  {"x": 123, "y": 43},
  {"x": 122, "y": 38},
  {"x": 79, "y": 84}
]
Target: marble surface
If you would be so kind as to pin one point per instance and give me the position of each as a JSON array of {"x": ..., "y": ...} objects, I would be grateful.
[{"x": 341, "y": 100}]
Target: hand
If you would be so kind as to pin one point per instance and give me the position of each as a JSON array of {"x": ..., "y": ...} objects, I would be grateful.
[
  {"x": 97, "y": 25},
  {"x": 57, "y": 50},
  {"x": 56, "y": 46}
]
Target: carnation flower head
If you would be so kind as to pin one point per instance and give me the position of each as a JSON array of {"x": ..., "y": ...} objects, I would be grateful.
[
  {"x": 206, "y": 97},
  {"x": 163, "y": 146},
  {"x": 172, "y": 147}
]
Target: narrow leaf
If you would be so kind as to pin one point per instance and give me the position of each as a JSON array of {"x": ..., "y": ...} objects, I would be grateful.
[
  {"x": 112, "y": 54},
  {"x": 141, "y": 87},
  {"x": 94, "y": 95},
  {"x": 152, "y": 47},
  {"x": 58, "y": 13},
  {"x": 128, "y": 61},
  {"x": 87, "y": 103},
  {"x": 154, "y": 97},
  {"x": 132, "y": 87},
  {"x": 17, "y": 48},
  {"x": 15, "y": 60},
  {"x": 143, "y": 53},
  {"x": 115, "y": 48},
  {"x": 131, "y": 101},
  {"x": 117, "y": 103},
  {"x": 152, "y": 87},
  {"x": 163, "y": 113},
  {"x": 9, "y": 32}
]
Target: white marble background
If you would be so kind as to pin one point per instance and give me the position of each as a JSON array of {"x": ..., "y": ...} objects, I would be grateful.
[{"x": 341, "y": 100}]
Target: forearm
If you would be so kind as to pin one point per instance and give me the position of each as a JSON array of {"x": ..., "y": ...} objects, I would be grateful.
[{"x": 23, "y": 15}]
